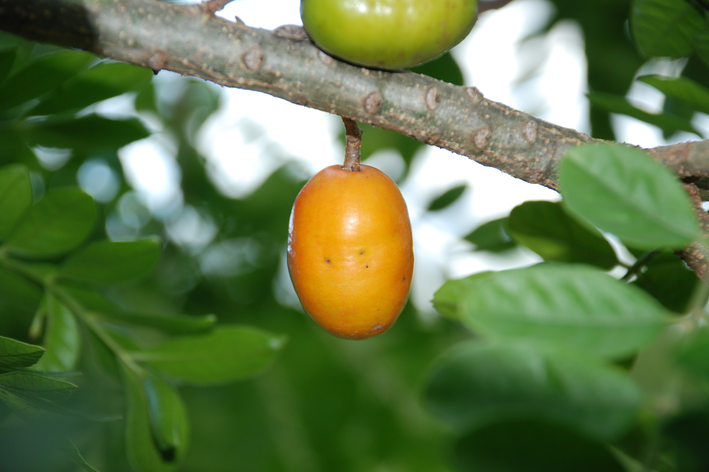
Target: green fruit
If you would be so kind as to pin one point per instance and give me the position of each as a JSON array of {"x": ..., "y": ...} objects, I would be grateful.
[{"x": 387, "y": 34}]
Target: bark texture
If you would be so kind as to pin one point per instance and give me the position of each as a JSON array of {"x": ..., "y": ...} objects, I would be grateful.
[{"x": 190, "y": 40}]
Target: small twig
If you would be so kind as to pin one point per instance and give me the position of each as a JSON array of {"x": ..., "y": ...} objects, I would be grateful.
[
  {"x": 212, "y": 6},
  {"x": 639, "y": 264},
  {"x": 353, "y": 134},
  {"x": 697, "y": 255}
]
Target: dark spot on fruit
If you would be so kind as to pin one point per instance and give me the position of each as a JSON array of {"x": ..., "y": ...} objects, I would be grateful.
[
  {"x": 327, "y": 260},
  {"x": 403, "y": 279},
  {"x": 367, "y": 266},
  {"x": 377, "y": 328}
]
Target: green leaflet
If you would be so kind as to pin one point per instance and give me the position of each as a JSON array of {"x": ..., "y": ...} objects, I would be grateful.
[
  {"x": 623, "y": 191},
  {"x": 225, "y": 354},
  {"x": 476, "y": 384},
  {"x": 570, "y": 306},
  {"x": 107, "y": 262},
  {"x": 59, "y": 222},
  {"x": 545, "y": 228},
  {"x": 16, "y": 354}
]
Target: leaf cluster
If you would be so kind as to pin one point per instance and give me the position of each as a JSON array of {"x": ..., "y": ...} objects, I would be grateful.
[
  {"x": 561, "y": 347},
  {"x": 674, "y": 30},
  {"x": 53, "y": 260}
]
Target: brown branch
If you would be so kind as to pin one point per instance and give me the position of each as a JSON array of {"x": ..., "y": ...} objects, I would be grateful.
[
  {"x": 213, "y": 6},
  {"x": 185, "y": 39},
  {"x": 283, "y": 63},
  {"x": 696, "y": 256},
  {"x": 353, "y": 135}
]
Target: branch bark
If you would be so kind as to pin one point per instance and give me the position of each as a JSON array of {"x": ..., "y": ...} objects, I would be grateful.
[{"x": 190, "y": 40}]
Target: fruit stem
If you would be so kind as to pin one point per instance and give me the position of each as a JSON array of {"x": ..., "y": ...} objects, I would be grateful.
[{"x": 353, "y": 134}]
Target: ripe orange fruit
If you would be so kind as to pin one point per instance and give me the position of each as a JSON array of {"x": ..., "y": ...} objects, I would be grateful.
[{"x": 350, "y": 251}]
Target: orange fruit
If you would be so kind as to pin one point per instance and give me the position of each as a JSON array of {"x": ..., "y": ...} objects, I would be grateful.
[{"x": 350, "y": 251}]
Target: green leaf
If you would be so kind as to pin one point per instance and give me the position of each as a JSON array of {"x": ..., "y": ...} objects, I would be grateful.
[
  {"x": 98, "y": 83},
  {"x": 91, "y": 132},
  {"x": 62, "y": 339},
  {"x": 18, "y": 290},
  {"x": 681, "y": 88},
  {"x": 618, "y": 104},
  {"x": 225, "y": 354},
  {"x": 545, "y": 228},
  {"x": 7, "y": 59},
  {"x": 572, "y": 306},
  {"x": 168, "y": 417},
  {"x": 169, "y": 323},
  {"x": 443, "y": 68},
  {"x": 19, "y": 405},
  {"x": 75, "y": 456},
  {"x": 31, "y": 385},
  {"x": 670, "y": 281},
  {"x": 15, "y": 196},
  {"x": 145, "y": 100},
  {"x": 477, "y": 384},
  {"x": 694, "y": 355},
  {"x": 623, "y": 191},
  {"x": 701, "y": 44},
  {"x": 141, "y": 448},
  {"x": 492, "y": 236},
  {"x": 5, "y": 412},
  {"x": 58, "y": 223},
  {"x": 447, "y": 198},
  {"x": 16, "y": 354},
  {"x": 107, "y": 262},
  {"x": 538, "y": 447},
  {"x": 41, "y": 76},
  {"x": 38, "y": 321},
  {"x": 378, "y": 139},
  {"x": 686, "y": 435},
  {"x": 665, "y": 28}
]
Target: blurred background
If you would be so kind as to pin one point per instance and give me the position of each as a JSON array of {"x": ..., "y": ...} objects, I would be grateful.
[{"x": 216, "y": 179}]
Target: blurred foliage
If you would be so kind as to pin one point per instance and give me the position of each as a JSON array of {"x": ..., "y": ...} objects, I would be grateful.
[
  {"x": 558, "y": 366},
  {"x": 659, "y": 28},
  {"x": 107, "y": 290}
]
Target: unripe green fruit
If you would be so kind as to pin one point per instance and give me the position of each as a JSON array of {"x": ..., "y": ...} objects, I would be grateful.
[{"x": 387, "y": 34}]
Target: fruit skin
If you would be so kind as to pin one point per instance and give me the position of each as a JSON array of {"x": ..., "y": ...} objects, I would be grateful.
[
  {"x": 387, "y": 34},
  {"x": 350, "y": 251}
]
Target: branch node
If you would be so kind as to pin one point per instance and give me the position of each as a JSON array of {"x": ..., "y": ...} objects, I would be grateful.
[
  {"x": 210, "y": 7},
  {"x": 433, "y": 98},
  {"x": 353, "y": 134},
  {"x": 372, "y": 103},
  {"x": 474, "y": 93},
  {"x": 292, "y": 32},
  {"x": 482, "y": 137},
  {"x": 254, "y": 58},
  {"x": 324, "y": 58},
  {"x": 529, "y": 131}
]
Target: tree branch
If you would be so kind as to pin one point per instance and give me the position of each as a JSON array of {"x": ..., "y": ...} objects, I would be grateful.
[
  {"x": 696, "y": 256},
  {"x": 185, "y": 39},
  {"x": 190, "y": 40}
]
